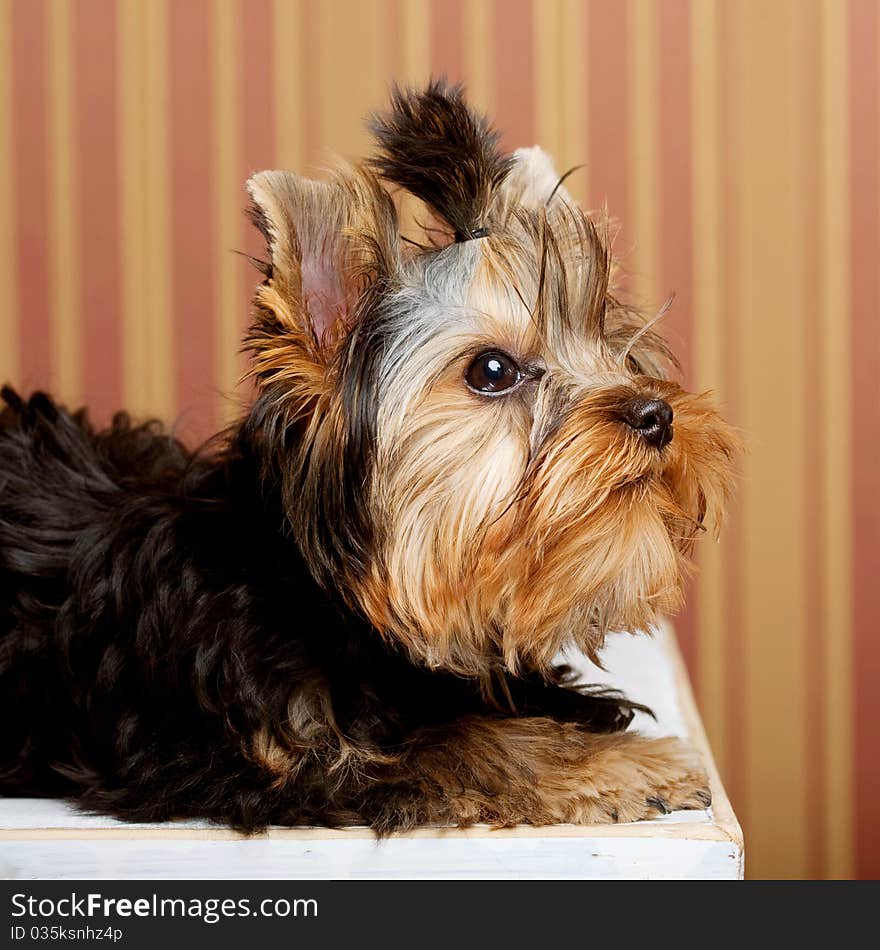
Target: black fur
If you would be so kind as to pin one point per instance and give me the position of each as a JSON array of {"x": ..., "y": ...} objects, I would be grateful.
[
  {"x": 156, "y": 614},
  {"x": 433, "y": 145}
]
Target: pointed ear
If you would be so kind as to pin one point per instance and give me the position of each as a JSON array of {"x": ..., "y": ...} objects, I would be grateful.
[
  {"x": 327, "y": 243},
  {"x": 533, "y": 181}
]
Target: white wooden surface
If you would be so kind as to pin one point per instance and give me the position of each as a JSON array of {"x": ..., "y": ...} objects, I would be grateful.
[{"x": 41, "y": 838}]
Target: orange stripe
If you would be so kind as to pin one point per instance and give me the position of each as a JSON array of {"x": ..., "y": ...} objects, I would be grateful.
[
  {"x": 479, "y": 53},
  {"x": 30, "y": 150},
  {"x": 414, "y": 59},
  {"x": 774, "y": 707},
  {"x": 514, "y": 72},
  {"x": 287, "y": 32},
  {"x": 348, "y": 31},
  {"x": 393, "y": 39},
  {"x": 63, "y": 248},
  {"x": 730, "y": 46},
  {"x": 309, "y": 55},
  {"x": 815, "y": 447},
  {"x": 193, "y": 225},
  {"x": 711, "y": 676},
  {"x": 865, "y": 248},
  {"x": 158, "y": 207},
  {"x": 837, "y": 647},
  {"x": 95, "y": 37}
]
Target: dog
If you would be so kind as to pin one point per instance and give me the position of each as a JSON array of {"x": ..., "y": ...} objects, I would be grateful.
[{"x": 464, "y": 453}]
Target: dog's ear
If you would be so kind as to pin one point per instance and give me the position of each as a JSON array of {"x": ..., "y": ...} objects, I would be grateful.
[
  {"x": 534, "y": 182},
  {"x": 328, "y": 244}
]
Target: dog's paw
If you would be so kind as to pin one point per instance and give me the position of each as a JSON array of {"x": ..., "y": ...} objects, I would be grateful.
[
  {"x": 636, "y": 780},
  {"x": 675, "y": 778}
]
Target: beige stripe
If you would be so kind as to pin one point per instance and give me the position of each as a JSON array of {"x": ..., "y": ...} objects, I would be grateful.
[
  {"x": 145, "y": 212},
  {"x": 774, "y": 703},
  {"x": 289, "y": 118},
  {"x": 802, "y": 184},
  {"x": 63, "y": 257},
  {"x": 132, "y": 185},
  {"x": 838, "y": 792},
  {"x": 8, "y": 256},
  {"x": 157, "y": 207},
  {"x": 547, "y": 17},
  {"x": 226, "y": 106},
  {"x": 575, "y": 121},
  {"x": 644, "y": 225},
  {"x": 348, "y": 31},
  {"x": 480, "y": 52},
  {"x": 416, "y": 37},
  {"x": 705, "y": 97}
]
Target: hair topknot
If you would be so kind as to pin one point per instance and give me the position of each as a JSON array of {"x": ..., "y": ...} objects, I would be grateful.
[{"x": 433, "y": 145}]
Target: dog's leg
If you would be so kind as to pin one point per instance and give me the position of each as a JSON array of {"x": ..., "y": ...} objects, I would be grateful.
[
  {"x": 601, "y": 709},
  {"x": 533, "y": 770}
]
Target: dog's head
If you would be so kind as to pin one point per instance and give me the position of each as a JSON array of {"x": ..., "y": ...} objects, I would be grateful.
[{"x": 478, "y": 444}]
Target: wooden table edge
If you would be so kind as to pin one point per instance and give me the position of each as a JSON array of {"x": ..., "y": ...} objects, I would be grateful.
[{"x": 725, "y": 819}]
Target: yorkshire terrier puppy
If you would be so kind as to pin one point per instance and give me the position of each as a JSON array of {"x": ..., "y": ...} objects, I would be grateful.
[{"x": 464, "y": 454}]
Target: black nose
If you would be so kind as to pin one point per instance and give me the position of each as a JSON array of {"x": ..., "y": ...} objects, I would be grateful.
[{"x": 651, "y": 418}]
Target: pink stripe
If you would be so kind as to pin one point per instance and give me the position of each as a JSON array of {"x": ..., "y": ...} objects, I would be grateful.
[
  {"x": 514, "y": 72},
  {"x": 865, "y": 422},
  {"x": 98, "y": 185},
  {"x": 676, "y": 246},
  {"x": 606, "y": 63},
  {"x": 194, "y": 226},
  {"x": 257, "y": 146},
  {"x": 31, "y": 200},
  {"x": 446, "y": 39},
  {"x": 393, "y": 59},
  {"x": 258, "y": 91},
  {"x": 674, "y": 108}
]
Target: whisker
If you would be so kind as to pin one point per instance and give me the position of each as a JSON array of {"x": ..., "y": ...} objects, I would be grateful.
[
  {"x": 558, "y": 185},
  {"x": 661, "y": 313},
  {"x": 421, "y": 247},
  {"x": 263, "y": 266}
]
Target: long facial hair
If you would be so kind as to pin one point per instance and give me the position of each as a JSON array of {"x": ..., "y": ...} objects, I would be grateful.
[{"x": 473, "y": 531}]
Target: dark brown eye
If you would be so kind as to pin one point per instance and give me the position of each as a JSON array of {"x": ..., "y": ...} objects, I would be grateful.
[{"x": 493, "y": 373}]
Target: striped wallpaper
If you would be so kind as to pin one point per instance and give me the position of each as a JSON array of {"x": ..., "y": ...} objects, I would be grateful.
[{"x": 736, "y": 140}]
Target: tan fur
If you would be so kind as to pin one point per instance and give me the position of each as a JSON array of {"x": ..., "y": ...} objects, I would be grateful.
[
  {"x": 541, "y": 544},
  {"x": 539, "y": 771},
  {"x": 310, "y": 733}
]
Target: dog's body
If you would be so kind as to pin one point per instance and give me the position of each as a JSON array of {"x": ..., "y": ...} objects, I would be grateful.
[
  {"x": 347, "y": 611},
  {"x": 146, "y": 622}
]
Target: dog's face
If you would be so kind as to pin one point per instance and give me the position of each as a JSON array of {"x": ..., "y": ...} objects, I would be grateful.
[{"x": 481, "y": 450}]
